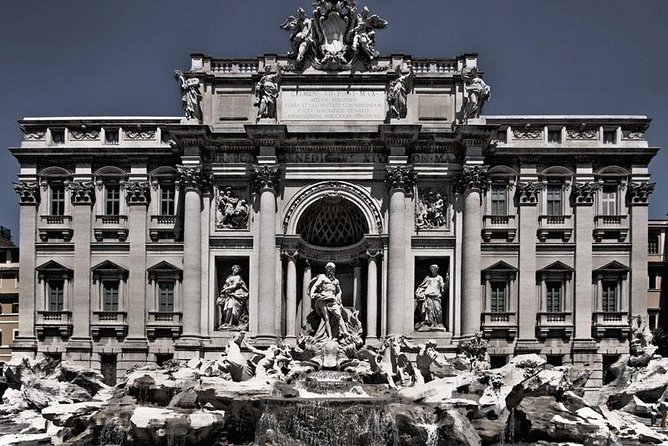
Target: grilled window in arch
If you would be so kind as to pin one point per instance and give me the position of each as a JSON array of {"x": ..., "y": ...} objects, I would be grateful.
[{"x": 333, "y": 222}]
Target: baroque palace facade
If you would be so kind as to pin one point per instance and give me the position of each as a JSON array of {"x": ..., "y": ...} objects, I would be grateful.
[{"x": 148, "y": 238}]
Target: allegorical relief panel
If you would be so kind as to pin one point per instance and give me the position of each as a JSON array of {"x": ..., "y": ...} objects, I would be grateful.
[
  {"x": 431, "y": 209},
  {"x": 232, "y": 209}
]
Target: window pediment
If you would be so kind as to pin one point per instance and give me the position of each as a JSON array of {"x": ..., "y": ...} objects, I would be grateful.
[
  {"x": 53, "y": 269},
  {"x": 555, "y": 270},
  {"x": 613, "y": 269},
  {"x": 164, "y": 270},
  {"x": 500, "y": 269},
  {"x": 109, "y": 270}
]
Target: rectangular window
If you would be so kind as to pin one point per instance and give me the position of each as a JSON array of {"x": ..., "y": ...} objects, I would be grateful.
[
  {"x": 554, "y": 202},
  {"x": 15, "y": 334},
  {"x": 554, "y": 297},
  {"x": 111, "y": 136},
  {"x": 167, "y": 199},
  {"x": 58, "y": 137},
  {"x": 652, "y": 280},
  {"x": 57, "y": 199},
  {"x": 56, "y": 295},
  {"x": 499, "y": 202},
  {"x": 110, "y": 295},
  {"x": 653, "y": 244},
  {"x": 609, "y": 296},
  {"x": 609, "y": 136},
  {"x": 554, "y": 136},
  {"x": 502, "y": 136},
  {"x": 498, "y": 298},
  {"x": 15, "y": 308},
  {"x": 609, "y": 200},
  {"x": 112, "y": 202},
  {"x": 166, "y": 296}
]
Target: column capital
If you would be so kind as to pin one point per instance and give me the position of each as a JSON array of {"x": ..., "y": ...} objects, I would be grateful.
[
  {"x": 374, "y": 254},
  {"x": 137, "y": 193},
  {"x": 583, "y": 193},
  {"x": 290, "y": 254},
  {"x": 527, "y": 193},
  {"x": 472, "y": 178},
  {"x": 638, "y": 193},
  {"x": 82, "y": 192},
  {"x": 191, "y": 177},
  {"x": 401, "y": 177},
  {"x": 266, "y": 178},
  {"x": 28, "y": 192}
]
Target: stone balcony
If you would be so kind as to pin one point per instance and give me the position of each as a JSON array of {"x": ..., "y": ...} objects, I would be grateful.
[
  {"x": 54, "y": 321},
  {"x": 499, "y": 325},
  {"x": 55, "y": 226},
  {"x": 554, "y": 325},
  {"x": 499, "y": 226},
  {"x": 160, "y": 322},
  {"x": 109, "y": 321},
  {"x": 162, "y": 225},
  {"x": 611, "y": 227},
  {"x": 611, "y": 324},
  {"x": 111, "y": 226},
  {"x": 555, "y": 226}
]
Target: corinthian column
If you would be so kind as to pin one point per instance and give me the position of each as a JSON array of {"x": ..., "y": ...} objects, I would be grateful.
[
  {"x": 400, "y": 180},
  {"x": 266, "y": 183},
  {"x": 472, "y": 185},
  {"x": 372, "y": 294},
  {"x": 290, "y": 257}
]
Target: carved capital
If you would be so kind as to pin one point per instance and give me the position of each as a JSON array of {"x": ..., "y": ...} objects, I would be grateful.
[
  {"x": 584, "y": 193},
  {"x": 290, "y": 254},
  {"x": 267, "y": 178},
  {"x": 28, "y": 192},
  {"x": 374, "y": 254},
  {"x": 138, "y": 192},
  {"x": 638, "y": 193},
  {"x": 401, "y": 177},
  {"x": 528, "y": 193},
  {"x": 82, "y": 192},
  {"x": 472, "y": 178},
  {"x": 191, "y": 177}
]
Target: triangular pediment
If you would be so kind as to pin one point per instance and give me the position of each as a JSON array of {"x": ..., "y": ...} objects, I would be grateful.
[
  {"x": 53, "y": 266},
  {"x": 164, "y": 269},
  {"x": 500, "y": 266},
  {"x": 557, "y": 267},
  {"x": 109, "y": 268},
  {"x": 613, "y": 266}
]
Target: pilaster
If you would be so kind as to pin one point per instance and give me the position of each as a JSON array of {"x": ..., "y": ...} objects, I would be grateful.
[{"x": 638, "y": 201}]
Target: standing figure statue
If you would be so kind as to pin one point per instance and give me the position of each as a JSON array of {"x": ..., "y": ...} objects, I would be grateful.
[
  {"x": 233, "y": 302},
  {"x": 476, "y": 94},
  {"x": 302, "y": 34},
  {"x": 428, "y": 310},
  {"x": 266, "y": 93},
  {"x": 191, "y": 96},
  {"x": 365, "y": 34},
  {"x": 397, "y": 97}
]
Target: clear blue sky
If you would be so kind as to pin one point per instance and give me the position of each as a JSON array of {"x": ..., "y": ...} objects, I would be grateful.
[{"x": 83, "y": 57}]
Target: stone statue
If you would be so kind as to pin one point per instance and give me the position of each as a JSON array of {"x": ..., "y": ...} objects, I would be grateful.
[
  {"x": 266, "y": 93},
  {"x": 365, "y": 34},
  {"x": 232, "y": 212},
  {"x": 233, "y": 302},
  {"x": 476, "y": 94},
  {"x": 431, "y": 212},
  {"x": 191, "y": 96},
  {"x": 428, "y": 311},
  {"x": 397, "y": 96},
  {"x": 302, "y": 34},
  {"x": 332, "y": 320},
  {"x": 426, "y": 357}
]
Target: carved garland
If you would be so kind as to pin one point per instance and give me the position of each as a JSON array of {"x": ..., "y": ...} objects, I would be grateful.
[
  {"x": 140, "y": 135},
  {"x": 584, "y": 193},
  {"x": 28, "y": 192},
  {"x": 582, "y": 133},
  {"x": 638, "y": 193},
  {"x": 85, "y": 135},
  {"x": 267, "y": 178},
  {"x": 527, "y": 133},
  {"x": 82, "y": 192},
  {"x": 333, "y": 186},
  {"x": 138, "y": 192}
]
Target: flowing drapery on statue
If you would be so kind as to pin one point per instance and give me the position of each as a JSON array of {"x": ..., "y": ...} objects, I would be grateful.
[
  {"x": 329, "y": 318},
  {"x": 428, "y": 309},
  {"x": 233, "y": 302}
]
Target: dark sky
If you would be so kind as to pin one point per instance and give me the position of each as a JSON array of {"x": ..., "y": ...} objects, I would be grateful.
[{"x": 82, "y": 57}]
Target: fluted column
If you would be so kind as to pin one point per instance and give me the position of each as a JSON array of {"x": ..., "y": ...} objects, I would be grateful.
[
  {"x": 400, "y": 179},
  {"x": 472, "y": 184},
  {"x": 191, "y": 183},
  {"x": 372, "y": 294},
  {"x": 266, "y": 183},
  {"x": 290, "y": 257},
  {"x": 306, "y": 297},
  {"x": 138, "y": 199}
]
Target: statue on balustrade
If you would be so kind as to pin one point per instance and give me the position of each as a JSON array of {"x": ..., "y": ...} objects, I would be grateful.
[
  {"x": 233, "y": 302},
  {"x": 329, "y": 318},
  {"x": 232, "y": 212},
  {"x": 266, "y": 93},
  {"x": 476, "y": 94},
  {"x": 428, "y": 310},
  {"x": 364, "y": 41},
  {"x": 397, "y": 96},
  {"x": 301, "y": 38},
  {"x": 191, "y": 96}
]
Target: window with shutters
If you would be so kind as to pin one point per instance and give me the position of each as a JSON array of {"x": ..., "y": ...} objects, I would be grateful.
[{"x": 499, "y": 198}]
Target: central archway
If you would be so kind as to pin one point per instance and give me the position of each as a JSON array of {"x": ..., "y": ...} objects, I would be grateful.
[{"x": 332, "y": 222}]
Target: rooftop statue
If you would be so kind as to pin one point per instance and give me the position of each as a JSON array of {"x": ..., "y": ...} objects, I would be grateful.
[
  {"x": 266, "y": 93},
  {"x": 397, "y": 97},
  {"x": 191, "y": 96},
  {"x": 336, "y": 37},
  {"x": 476, "y": 94}
]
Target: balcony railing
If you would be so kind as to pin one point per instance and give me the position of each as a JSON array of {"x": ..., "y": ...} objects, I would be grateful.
[
  {"x": 112, "y": 226},
  {"x": 499, "y": 324},
  {"x": 55, "y": 226},
  {"x": 112, "y": 321},
  {"x": 611, "y": 323},
  {"x": 559, "y": 225},
  {"x": 611, "y": 226},
  {"x": 559, "y": 324},
  {"x": 162, "y": 224},
  {"x": 60, "y": 321},
  {"x": 166, "y": 321},
  {"x": 499, "y": 225}
]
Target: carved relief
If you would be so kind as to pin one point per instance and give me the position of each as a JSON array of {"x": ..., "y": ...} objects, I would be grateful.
[
  {"x": 82, "y": 192},
  {"x": 401, "y": 177},
  {"x": 231, "y": 211},
  {"x": 35, "y": 135},
  {"x": 140, "y": 135},
  {"x": 584, "y": 193},
  {"x": 28, "y": 192},
  {"x": 582, "y": 133},
  {"x": 85, "y": 135},
  {"x": 137, "y": 192},
  {"x": 638, "y": 193},
  {"x": 633, "y": 133},
  {"x": 267, "y": 177},
  {"x": 266, "y": 93},
  {"x": 431, "y": 209},
  {"x": 397, "y": 96},
  {"x": 191, "y": 96},
  {"x": 528, "y": 193},
  {"x": 527, "y": 133},
  {"x": 472, "y": 178}
]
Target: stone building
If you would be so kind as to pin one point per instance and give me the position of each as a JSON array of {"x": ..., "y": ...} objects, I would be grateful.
[
  {"x": 382, "y": 165},
  {"x": 9, "y": 296},
  {"x": 657, "y": 293}
]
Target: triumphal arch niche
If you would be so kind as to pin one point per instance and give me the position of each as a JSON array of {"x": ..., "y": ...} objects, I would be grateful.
[{"x": 334, "y": 163}]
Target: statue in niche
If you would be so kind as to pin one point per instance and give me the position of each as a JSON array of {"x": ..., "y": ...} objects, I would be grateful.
[
  {"x": 431, "y": 211},
  {"x": 302, "y": 34},
  {"x": 266, "y": 93},
  {"x": 428, "y": 310},
  {"x": 330, "y": 320},
  {"x": 233, "y": 302},
  {"x": 191, "y": 96},
  {"x": 232, "y": 212},
  {"x": 476, "y": 94},
  {"x": 397, "y": 97},
  {"x": 364, "y": 41}
]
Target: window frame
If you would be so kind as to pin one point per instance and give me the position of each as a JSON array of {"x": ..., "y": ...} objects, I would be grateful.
[
  {"x": 494, "y": 306},
  {"x": 169, "y": 202},
  {"x": 609, "y": 199},
  {"x": 57, "y": 202},
  {"x": 550, "y": 203},
  {"x": 112, "y": 131},
  {"x": 58, "y": 305},
  {"x": 499, "y": 207}
]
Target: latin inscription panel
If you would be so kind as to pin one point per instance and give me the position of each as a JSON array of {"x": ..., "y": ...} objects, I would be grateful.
[{"x": 325, "y": 105}]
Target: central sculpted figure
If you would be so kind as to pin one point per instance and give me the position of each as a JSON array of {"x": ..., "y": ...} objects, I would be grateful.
[{"x": 325, "y": 294}]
